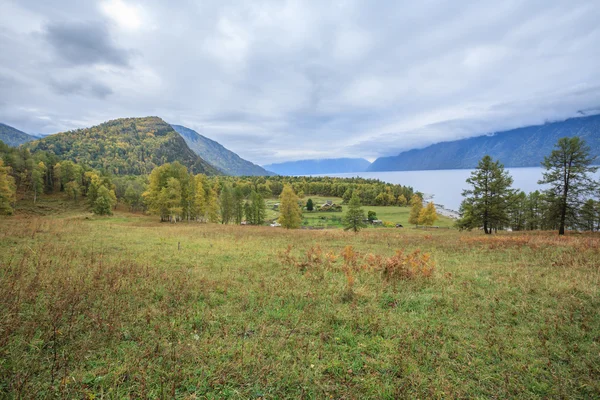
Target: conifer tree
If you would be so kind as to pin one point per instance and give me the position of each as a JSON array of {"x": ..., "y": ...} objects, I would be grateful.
[
  {"x": 487, "y": 202},
  {"x": 290, "y": 215},
  {"x": 310, "y": 205},
  {"x": 354, "y": 219},
  {"x": 567, "y": 172}
]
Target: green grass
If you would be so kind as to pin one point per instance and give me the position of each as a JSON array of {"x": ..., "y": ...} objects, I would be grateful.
[
  {"x": 331, "y": 220},
  {"x": 125, "y": 306}
]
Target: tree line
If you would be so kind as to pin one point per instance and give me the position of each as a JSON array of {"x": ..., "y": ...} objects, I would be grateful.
[
  {"x": 42, "y": 172},
  {"x": 568, "y": 201}
]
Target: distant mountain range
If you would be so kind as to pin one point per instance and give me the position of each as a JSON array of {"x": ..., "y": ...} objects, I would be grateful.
[
  {"x": 218, "y": 156},
  {"x": 522, "y": 147},
  {"x": 319, "y": 166},
  {"x": 126, "y": 146},
  {"x": 14, "y": 137}
]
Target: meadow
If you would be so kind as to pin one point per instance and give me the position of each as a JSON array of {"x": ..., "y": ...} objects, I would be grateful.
[
  {"x": 391, "y": 215},
  {"x": 124, "y": 306}
]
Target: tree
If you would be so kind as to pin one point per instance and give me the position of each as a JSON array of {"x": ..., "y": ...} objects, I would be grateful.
[
  {"x": 371, "y": 216},
  {"x": 171, "y": 198},
  {"x": 212, "y": 206},
  {"x": 226, "y": 205},
  {"x": 589, "y": 215},
  {"x": 402, "y": 202},
  {"x": 105, "y": 201},
  {"x": 567, "y": 169},
  {"x": 290, "y": 215},
  {"x": 258, "y": 208},
  {"x": 428, "y": 215},
  {"x": 8, "y": 190},
  {"x": 355, "y": 216},
  {"x": 160, "y": 195},
  {"x": 416, "y": 203},
  {"x": 310, "y": 205},
  {"x": 487, "y": 202},
  {"x": 73, "y": 190},
  {"x": 517, "y": 211},
  {"x": 200, "y": 203},
  {"x": 238, "y": 205},
  {"x": 38, "y": 174}
]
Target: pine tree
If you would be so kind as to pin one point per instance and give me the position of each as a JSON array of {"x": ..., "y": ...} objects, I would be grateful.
[
  {"x": 8, "y": 190},
  {"x": 416, "y": 203},
  {"x": 290, "y": 214},
  {"x": 588, "y": 218},
  {"x": 354, "y": 219},
  {"x": 487, "y": 202},
  {"x": 428, "y": 215},
  {"x": 567, "y": 169},
  {"x": 310, "y": 205}
]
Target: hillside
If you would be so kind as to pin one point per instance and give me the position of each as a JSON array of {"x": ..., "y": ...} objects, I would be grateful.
[
  {"x": 14, "y": 137},
  {"x": 522, "y": 147},
  {"x": 319, "y": 166},
  {"x": 218, "y": 156},
  {"x": 126, "y": 146}
]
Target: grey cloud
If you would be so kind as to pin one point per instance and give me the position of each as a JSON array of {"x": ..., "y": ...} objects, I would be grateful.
[
  {"x": 83, "y": 86},
  {"x": 84, "y": 43},
  {"x": 274, "y": 80}
]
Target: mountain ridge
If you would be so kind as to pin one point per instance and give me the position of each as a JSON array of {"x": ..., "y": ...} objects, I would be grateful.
[
  {"x": 124, "y": 146},
  {"x": 14, "y": 137},
  {"x": 217, "y": 155},
  {"x": 319, "y": 166},
  {"x": 520, "y": 147}
]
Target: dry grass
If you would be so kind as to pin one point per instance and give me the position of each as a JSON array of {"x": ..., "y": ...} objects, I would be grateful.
[{"x": 124, "y": 306}]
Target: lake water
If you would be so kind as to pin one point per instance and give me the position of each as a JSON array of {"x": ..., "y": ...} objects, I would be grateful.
[{"x": 446, "y": 186}]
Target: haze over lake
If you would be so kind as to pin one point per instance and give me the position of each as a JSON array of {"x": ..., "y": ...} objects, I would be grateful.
[{"x": 447, "y": 185}]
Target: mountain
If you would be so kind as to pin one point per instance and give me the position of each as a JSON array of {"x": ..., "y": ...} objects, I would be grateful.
[
  {"x": 126, "y": 146},
  {"x": 320, "y": 166},
  {"x": 14, "y": 137},
  {"x": 218, "y": 156},
  {"x": 522, "y": 147}
]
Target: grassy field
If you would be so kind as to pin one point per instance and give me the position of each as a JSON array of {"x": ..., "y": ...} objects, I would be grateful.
[
  {"x": 389, "y": 214},
  {"x": 125, "y": 306}
]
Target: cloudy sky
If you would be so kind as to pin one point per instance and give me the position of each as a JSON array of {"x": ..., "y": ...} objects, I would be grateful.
[{"x": 278, "y": 80}]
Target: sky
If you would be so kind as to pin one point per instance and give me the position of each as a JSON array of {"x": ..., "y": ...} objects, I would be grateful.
[{"x": 277, "y": 80}]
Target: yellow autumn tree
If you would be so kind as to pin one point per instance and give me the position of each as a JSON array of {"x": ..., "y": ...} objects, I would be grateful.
[
  {"x": 428, "y": 215},
  {"x": 290, "y": 214},
  {"x": 416, "y": 203},
  {"x": 7, "y": 190}
]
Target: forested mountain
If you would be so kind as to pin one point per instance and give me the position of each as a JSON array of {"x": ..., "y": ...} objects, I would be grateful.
[
  {"x": 14, "y": 137},
  {"x": 319, "y": 166},
  {"x": 522, "y": 147},
  {"x": 126, "y": 146},
  {"x": 214, "y": 153}
]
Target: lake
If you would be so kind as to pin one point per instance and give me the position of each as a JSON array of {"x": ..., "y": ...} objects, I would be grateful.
[{"x": 446, "y": 186}]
